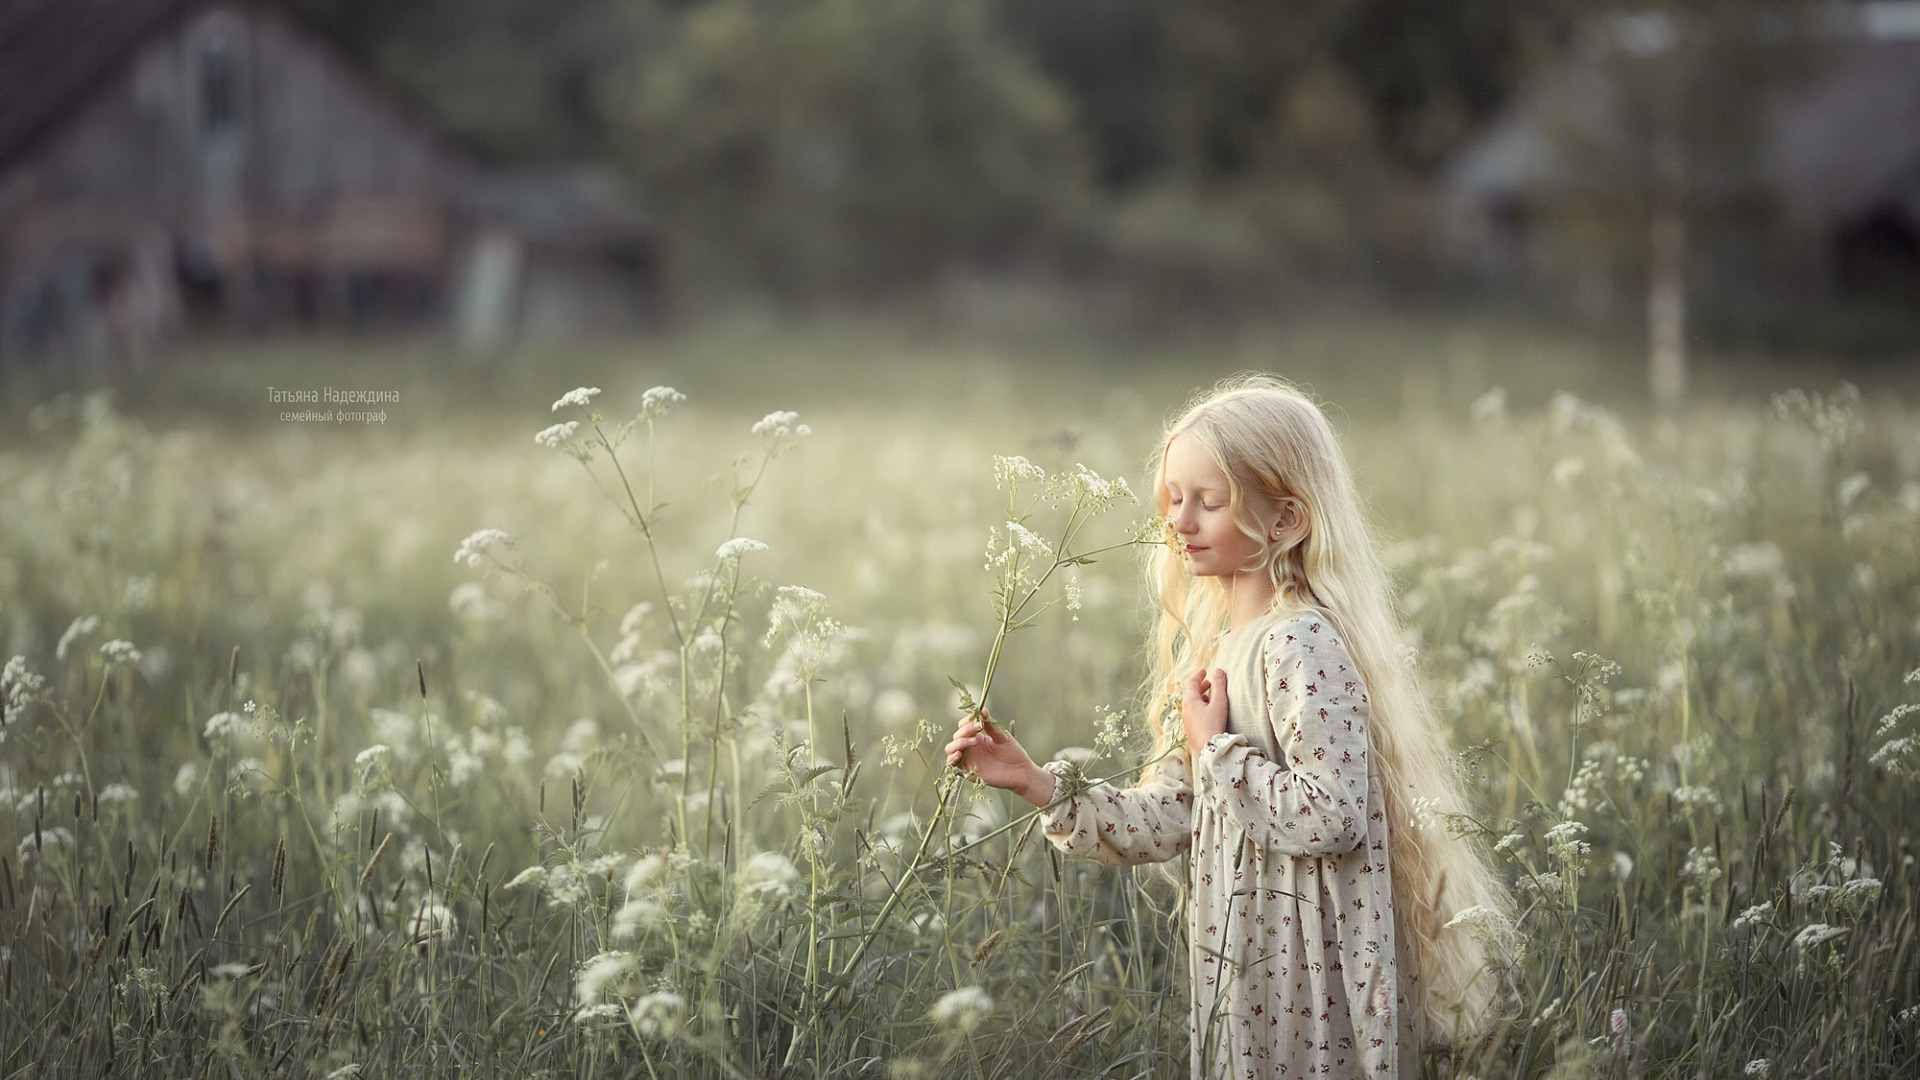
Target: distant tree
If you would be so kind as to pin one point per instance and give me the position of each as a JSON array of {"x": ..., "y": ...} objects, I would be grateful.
[
  {"x": 1302, "y": 137},
  {"x": 1661, "y": 136},
  {"x": 1114, "y": 58},
  {"x": 831, "y": 145}
]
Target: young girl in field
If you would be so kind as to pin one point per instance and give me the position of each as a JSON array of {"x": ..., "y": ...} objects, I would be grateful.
[{"x": 1298, "y": 765}]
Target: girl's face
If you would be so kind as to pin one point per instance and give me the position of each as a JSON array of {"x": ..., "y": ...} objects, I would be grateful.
[{"x": 1199, "y": 506}]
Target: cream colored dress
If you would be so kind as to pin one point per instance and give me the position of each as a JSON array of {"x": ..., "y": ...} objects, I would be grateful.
[{"x": 1290, "y": 924}]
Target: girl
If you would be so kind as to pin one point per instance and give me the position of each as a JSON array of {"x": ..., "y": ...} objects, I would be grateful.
[{"x": 1299, "y": 765}]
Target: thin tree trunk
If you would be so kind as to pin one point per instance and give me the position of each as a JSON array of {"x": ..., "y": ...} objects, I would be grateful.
[{"x": 1667, "y": 308}]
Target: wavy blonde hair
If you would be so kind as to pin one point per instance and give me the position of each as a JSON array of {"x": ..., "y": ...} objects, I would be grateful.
[{"x": 1273, "y": 441}]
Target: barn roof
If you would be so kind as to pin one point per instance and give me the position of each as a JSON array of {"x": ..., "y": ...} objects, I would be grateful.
[{"x": 54, "y": 52}]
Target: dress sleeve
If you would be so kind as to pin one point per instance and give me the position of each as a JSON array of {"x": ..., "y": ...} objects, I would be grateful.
[
  {"x": 1150, "y": 822},
  {"x": 1314, "y": 801}
]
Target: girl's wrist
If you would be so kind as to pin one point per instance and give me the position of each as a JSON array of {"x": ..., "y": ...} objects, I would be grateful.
[{"x": 1038, "y": 788}]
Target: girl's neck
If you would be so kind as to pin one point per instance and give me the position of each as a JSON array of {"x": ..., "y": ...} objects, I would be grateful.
[{"x": 1249, "y": 596}]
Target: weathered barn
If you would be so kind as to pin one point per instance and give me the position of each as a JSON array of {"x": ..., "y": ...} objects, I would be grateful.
[
  {"x": 179, "y": 166},
  {"x": 1831, "y": 206}
]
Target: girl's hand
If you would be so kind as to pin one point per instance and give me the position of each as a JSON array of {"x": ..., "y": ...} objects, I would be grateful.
[
  {"x": 1203, "y": 707},
  {"x": 992, "y": 754}
]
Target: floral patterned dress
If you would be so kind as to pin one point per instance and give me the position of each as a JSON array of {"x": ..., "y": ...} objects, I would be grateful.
[{"x": 1290, "y": 922}]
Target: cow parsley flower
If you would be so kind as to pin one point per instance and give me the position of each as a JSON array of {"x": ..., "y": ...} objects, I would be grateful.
[
  {"x": 768, "y": 874},
  {"x": 225, "y": 725},
  {"x": 739, "y": 546},
  {"x": 118, "y": 793},
  {"x": 580, "y": 397},
  {"x": 781, "y": 424},
  {"x": 1028, "y": 540},
  {"x": 1754, "y": 916},
  {"x": 534, "y": 876},
  {"x": 477, "y": 545},
  {"x": 555, "y": 437},
  {"x": 658, "y": 1015},
  {"x": 655, "y": 402},
  {"x": 1814, "y": 933},
  {"x": 1009, "y": 472},
  {"x": 119, "y": 651}
]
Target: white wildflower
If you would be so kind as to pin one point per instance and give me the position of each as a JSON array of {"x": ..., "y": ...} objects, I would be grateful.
[
  {"x": 1764, "y": 559},
  {"x": 121, "y": 793},
  {"x": 226, "y": 725},
  {"x": 535, "y": 876},
  {"x": 378, "y": 752},
  {"x": 739, "y": 546},
  {"x": 1478, "y": 916},
  {"x": 1814, "y": 933},
  {"x": 580, "y": 397},
  {"x": 1696, "y": 796},
  {"x": 1701, "y": 866},
  {"x": 79, "y": 628},
  {"x": 781, "y": 425},
  {"x": 556, "y": 436},
  {"x": 962, "y": 1009},
  {"x": 656, "y": 401},
  {"x": 1489, "y": 406},
  {"x": 475, "y": 547},
  {"x": 612, "y": 973},
  {"x": 187, "y": 778},
  {"x": 1851, "y": 488},
  {"x": 768, "y": 874},
  {"x": 1622, "y": 865},
  {"x": 1510, "y": 841},
  {"x": 1567, "y": 470},
  {"x": 1564, "y": 840},
  {"x": 1759, "y": 1067},
  {"x": 606, "y": 1010},
  {"x": 48, "y": 841},
  {"x": 636, "y": 915},
  {"x": 659, "y": 1015},
  {"x": 119, "y": 651},
  {"x": 1754, "y": 916},
  {"x": 1011, "y": 471},
  {"x": 1028, "y": 540}
]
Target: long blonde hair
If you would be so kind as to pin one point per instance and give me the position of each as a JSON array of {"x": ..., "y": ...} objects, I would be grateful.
[{"x": 1272, "y": 439}]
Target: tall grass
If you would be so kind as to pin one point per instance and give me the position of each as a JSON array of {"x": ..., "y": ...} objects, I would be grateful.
[{"x": 647, "y": 784}]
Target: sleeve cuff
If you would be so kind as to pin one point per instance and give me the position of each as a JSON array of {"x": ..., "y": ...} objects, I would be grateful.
[{"x": 1214, "y": 749}]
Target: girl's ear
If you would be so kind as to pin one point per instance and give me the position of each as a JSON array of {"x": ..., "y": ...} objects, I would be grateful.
[{"x": 1288, "y": 523}]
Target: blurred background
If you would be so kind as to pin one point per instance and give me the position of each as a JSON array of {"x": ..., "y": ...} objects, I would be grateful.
[{"x": 1676, "y": 185}]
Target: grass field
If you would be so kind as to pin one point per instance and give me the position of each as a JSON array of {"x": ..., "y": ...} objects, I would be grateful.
[{"x": 289, "y": 789}]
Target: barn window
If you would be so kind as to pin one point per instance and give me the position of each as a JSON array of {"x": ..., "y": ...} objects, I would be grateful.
[{"x": 219, "y": 91}]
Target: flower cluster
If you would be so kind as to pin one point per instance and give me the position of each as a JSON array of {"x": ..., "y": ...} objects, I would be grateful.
[
  {"x": 656, "y": 401},
  {"x": 474, "y": 549},
  {"x": 737, "y": 547},
  {"x": 778, "y": 431},
  {"x": 580, "y": 397}
]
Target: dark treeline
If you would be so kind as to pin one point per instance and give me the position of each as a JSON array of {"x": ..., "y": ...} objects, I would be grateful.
[
  {"x": 1201, "y": 155},
  {"x": 846, "y": 146}
]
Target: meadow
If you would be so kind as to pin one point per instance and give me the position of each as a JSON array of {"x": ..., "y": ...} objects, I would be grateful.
[{"x": 539, "y": 732}]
